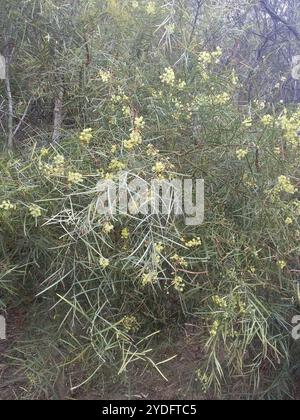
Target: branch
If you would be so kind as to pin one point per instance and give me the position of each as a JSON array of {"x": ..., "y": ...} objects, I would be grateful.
[
  {"x": 10, "y": 113},
  {"x": 277, "y": 18},
  {"x": 57, "y": 115},
  {"x": 23, "y": 117},
  {"x": 199, "y": 4}
]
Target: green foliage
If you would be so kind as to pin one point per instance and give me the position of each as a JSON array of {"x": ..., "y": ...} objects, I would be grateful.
[{"x": 154, "y": 103}]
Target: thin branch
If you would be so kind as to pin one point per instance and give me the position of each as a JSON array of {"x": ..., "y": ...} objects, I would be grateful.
[
  {"x": 199, "y": 4},
  {"x": 23, "y": 117},
  {"x": 57, "y": 115},
  {"x": 10, "y": 134},
  {"x": 277, "y": 18}
]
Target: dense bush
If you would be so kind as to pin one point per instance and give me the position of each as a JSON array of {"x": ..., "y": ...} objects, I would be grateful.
[{"x": 114, "y": 286}]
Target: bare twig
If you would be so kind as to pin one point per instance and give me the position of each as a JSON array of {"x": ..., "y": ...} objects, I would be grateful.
[
  {"x": 10, "y": 134},
  {"x": 195, "y": 273},
  {"x": 199, "y": 4},
  {"x": 23, "y": 117}
]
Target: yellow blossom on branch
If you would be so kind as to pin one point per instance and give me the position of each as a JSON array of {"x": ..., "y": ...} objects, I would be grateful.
[
  {"x": 116, "y": 165},
  {"x": 267, "y": 120},
  {"x": 105, "y": 76},
  {"x": 242, "y": 153},
  {"x": 151, "y": 8},
  {"x": 178, "y": 284},
  {"x": 7, "y": 205},
  {"x": 86, "y": 136},
  {"x": 168, "y": 77},
  {"x": 125, "y": 233},
  {"x": 281, "y": 264},
  {"x": 134, "y": 140},
  {"x": 75, "y": 178},
  {"x": 193, "y": 243},
  {"x": 179, "y": 261},
  {"x": 108, "y": 228},
  {"x": 35, "y": 211},
  {"x": 248, "y": 122},
  {"x": 159, "y": 168},
  {"x": 285, "y": 185},
  {"x": 104, "y": 262},
  {"x": 149, "y": 278}
]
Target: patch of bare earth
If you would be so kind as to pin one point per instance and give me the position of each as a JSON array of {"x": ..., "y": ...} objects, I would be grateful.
[{"x": 15, "y": 319}]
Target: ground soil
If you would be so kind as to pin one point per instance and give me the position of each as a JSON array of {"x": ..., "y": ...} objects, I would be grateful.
[{"x": 145, "y": 384}]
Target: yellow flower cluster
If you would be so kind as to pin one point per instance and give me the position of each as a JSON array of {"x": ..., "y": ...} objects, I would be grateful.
[
  {"x": 193, "y": 243},
  {"x": 105, "y": 76},
  {"x": 152, "y": 151},
  {"x": 126, "y": 111},
  {"x": 159, "y": 168},
  {"x": 178, "y": 284},
  {"x": 285, "y": 185},
  {"x": 159, "y": 247},
  {"x": 248, "y": 122},
  {"x": 288, "y": 221},
  {"x": 170, "y": 28},
  {"x": 236, "y": 304},
  {"x": 220, "y": 99},
  {"x": 7, "y": 205},
  {"x": 220, "y": 302},
  {"x": 267, "y": 120},
  {"x": 242, "y": 153},
  {"x": 107, "y": 228},
  {"x": 290, "y": 127},
  {"x": 215, "y": 328},
  {"x": 179, "y": 261},
  {"x": 134, "y": 140},
  {"x": 125, "y": 233},
  {"x": 249, "y": 181},
  {"x": 234, "y": 78},
  {"x": 55, "y": 169},
  {"x": 100, "y": 172},
  {"x": 59, "y": 160},
  {"x": 139, "y": 123},
  {"x": 203, "y": 379},
  {"x": 44, "y": 152},
  {"x": 277, "y": 150},
  {"x": 240, "y": 307},
  {"x": 168, "y": 77},
  {"x": 86, "y": 136},
  {"x": 110, "y": 176},
  {"x": 157, "y": 94},
  {"x": 116, "y": 165},
  {"x": 149, "y": 278},
  {"x": 296, "y": 205},
  {"x": 104, "y": 262},
  {"x": 151, "y": 8},
  {"x": 130, "y": 323},
  {"x": 75, "y": 178},
  {"x": 119, "y": 97},
  {"x": 181, "y": 84},
  {"x": 205, "y": 57},
  {"x": 281, "y": 264},
  {"x": 181, "y": 110},
  {"x": 35, "y": 211},
  {"x": 260, "y": 104}
]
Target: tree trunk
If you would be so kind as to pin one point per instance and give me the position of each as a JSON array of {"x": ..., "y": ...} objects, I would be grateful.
[{"x": 57, "y": 116}]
